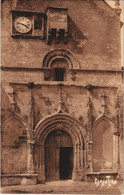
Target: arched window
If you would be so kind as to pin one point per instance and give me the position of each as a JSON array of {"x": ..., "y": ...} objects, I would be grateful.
[
  {"x": 59, "y": 70},
  {"x": 59, "y": 66}
]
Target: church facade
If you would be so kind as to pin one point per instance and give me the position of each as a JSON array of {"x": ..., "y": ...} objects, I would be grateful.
[{"x": 61, "y": 107}]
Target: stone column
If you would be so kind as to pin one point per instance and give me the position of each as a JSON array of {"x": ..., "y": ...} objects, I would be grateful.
[
  {"x": 89, "y": 129},
  {"x": 90, "y": 146},
  {"x": 117, "y": 133},
  {"x": 30, "y": 142},
  {"x": 75, "y": 163},
  {"x": 30, "y": 160}
]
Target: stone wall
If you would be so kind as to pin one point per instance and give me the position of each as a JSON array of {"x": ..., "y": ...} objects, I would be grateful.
[
  {"x": 101, "y": 28},
  {"x": 97, "y": 77}
]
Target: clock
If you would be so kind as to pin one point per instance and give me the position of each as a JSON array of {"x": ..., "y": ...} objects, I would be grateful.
[{"x": 22, "y": 25}]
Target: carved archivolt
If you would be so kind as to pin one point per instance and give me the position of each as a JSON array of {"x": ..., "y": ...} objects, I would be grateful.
[
  {"x": 70, "y": 125},
  {"x": 60, "y": 53},
  {"x": 59, "y": 121}
]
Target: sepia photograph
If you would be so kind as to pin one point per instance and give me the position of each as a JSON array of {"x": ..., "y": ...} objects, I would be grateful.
[{"x": 62, "y": 97}]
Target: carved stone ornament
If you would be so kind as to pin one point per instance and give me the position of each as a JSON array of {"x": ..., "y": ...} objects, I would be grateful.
[
  {"x": 89, "y": 116},
  {"x": 47, "y": 74},
  {"x": 73, "y": 75},
  {"x": 89, "y": 87},
  {"x": 104, "y": 105},
  {"x": 117, "y": 106},
  {"x": 11, "y": 94},
  {"x": 81, "y": 42}
]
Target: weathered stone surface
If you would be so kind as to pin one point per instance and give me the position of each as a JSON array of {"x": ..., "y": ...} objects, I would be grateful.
[{"x": 91, "y": 63}]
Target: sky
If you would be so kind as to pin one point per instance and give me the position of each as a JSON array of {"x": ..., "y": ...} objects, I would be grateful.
[{"x": 112, "y": 2}]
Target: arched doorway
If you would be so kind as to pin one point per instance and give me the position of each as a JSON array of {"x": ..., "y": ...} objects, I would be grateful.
[
  {"x": 58, "y": 155},
  {"x": 65, "y": 128}
]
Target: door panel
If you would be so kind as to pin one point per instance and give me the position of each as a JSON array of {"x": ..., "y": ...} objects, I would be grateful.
[{"x": 52, "y": 163}]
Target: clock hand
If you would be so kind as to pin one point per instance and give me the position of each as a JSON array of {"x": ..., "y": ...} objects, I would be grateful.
[{"x": 23, "y": 24}]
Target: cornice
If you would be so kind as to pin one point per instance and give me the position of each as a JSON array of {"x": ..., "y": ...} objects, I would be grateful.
[{"x": 6, "y": 68}]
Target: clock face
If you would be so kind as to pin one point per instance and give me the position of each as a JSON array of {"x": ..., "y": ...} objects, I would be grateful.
[{"x": 22, "y": 25}]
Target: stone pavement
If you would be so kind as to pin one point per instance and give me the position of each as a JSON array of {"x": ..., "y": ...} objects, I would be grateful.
[{"x": 62, "y": 187}]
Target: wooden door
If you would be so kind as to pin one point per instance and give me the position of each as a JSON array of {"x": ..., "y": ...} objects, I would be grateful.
[
  {"x": 57, "y": 154},
  {"x": 52, "y": 163}
]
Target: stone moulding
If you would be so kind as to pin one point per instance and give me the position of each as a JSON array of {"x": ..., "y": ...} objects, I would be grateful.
[
  {"x": 60, "y": 53},
  {"x": 102, "y": 117},
  {"x": 77, "y": 133},
  {"x": 15, "y": 115},
  {"x": 7, "y": 68}
]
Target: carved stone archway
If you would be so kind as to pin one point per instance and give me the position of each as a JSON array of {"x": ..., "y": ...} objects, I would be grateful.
[{"x": 78, "y": 135}]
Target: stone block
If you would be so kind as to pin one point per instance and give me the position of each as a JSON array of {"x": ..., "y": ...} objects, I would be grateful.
[
  {"x": 18, "y": 179},
  {"x": 31, "y": 180}
]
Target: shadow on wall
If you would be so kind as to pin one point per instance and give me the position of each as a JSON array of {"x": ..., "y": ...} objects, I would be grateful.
[{"x": 75, "y": 37}]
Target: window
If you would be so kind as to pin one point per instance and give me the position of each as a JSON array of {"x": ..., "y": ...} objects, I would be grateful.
[
  {"x": 37, "y": 23},
  {"x": 57, "y": 70},
  {"x": 59, "y": 74}
]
